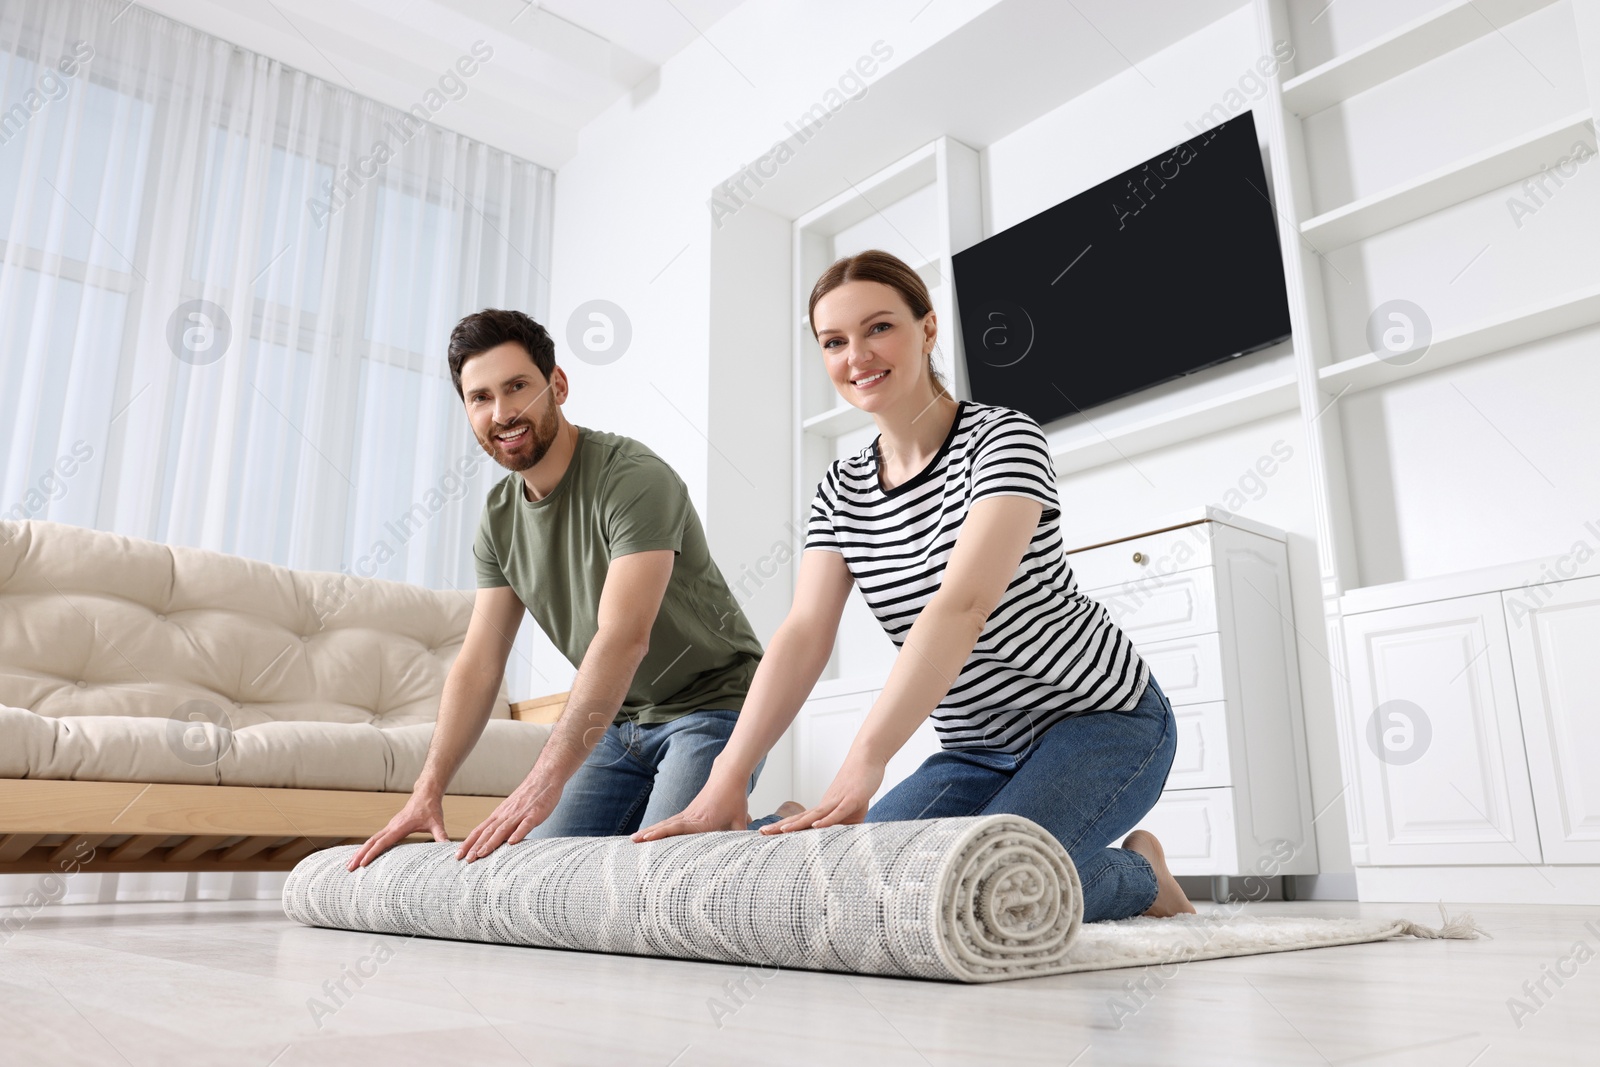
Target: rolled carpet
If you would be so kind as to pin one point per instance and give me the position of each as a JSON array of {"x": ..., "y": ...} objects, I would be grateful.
[{"x": 978, "y": 899}]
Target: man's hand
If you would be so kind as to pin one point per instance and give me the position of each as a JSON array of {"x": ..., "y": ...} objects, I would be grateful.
[
  {"x": 846, "y": 800},
  {"x": 629, "y": 601},
  {"x": 716, "y": 807},
  {"x": 424, "y": 811},
  {"x": 528, "y": 806}
]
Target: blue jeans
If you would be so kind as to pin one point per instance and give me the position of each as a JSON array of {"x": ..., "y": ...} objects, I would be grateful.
[
  {"x": 640, "y": 774},
  {"x": 1088, "y": 780}
]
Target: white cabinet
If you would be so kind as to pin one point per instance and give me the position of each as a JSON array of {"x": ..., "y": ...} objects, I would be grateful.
[
  {"x": 1441, "y": 764},
  {"x": 826, "y": 726},
  {"x": 1555, "y": 649},
  {"x": 1190, "y": 668},
  {"x": 1196, "y": 829},
  {"x": 1207, "y": 605},
  {"x": 823, "y": 732},
  {"x": 1182, "y": 605},
  {"x": 1473, "y": 706}
]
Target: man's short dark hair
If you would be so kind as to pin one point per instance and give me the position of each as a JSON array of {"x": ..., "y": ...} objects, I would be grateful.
[{"x": 492, "y": 327}]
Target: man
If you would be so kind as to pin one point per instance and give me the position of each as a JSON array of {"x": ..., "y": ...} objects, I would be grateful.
[{"x": 595, "y": 537}]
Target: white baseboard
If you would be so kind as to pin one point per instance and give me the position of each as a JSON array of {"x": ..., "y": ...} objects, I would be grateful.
[
  {"x": 1337, "y": 886},
  {"x": 1523, "y": 884},
  {"x": 1330, "y": 885}
]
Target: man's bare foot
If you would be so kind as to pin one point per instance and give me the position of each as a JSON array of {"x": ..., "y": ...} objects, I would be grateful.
[
  {"x": 1170, "y": 897},
  {"x": 790, "y": 808}
]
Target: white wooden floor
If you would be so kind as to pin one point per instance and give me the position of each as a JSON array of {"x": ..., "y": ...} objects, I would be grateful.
[{"x": 237, "y": 983}]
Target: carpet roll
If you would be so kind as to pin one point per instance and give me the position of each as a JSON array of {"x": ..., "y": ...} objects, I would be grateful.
[{"x": 977, "y": 899}]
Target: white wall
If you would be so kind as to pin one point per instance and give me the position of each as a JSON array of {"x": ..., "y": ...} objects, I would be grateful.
[
  {"x": 632, "y": 226},
  {"x": 632, "y": 223}
]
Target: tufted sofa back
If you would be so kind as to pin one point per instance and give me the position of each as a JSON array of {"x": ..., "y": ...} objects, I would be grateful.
[{"x": 95, "y": 623}]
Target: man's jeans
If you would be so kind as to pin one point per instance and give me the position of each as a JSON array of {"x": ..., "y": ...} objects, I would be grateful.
[
  {"x": 1088, "y": 780},
  {"x": 638, "y": 775}
]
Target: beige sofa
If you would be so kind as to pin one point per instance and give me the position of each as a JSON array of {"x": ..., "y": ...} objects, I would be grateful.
[{"x": 171, "y": 708}]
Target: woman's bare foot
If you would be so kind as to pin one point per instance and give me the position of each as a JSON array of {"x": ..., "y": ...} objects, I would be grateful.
[
  {"x": 790, "y": 808},
  {"x": 1170, "y": 897}
]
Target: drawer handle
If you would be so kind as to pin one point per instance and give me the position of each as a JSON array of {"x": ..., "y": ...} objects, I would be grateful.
[{"x": 1140, "y": 557}]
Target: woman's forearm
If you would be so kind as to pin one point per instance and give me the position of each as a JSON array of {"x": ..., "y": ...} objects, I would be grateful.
[
  {"x": 934, "y": 651},
  {"x": 789, "y": 669}
]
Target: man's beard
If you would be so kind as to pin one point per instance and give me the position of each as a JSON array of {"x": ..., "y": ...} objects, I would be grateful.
[{"x": 542, "y": 429}]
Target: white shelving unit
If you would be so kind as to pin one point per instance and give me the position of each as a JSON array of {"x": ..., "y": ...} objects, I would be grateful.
[
  {"x": 1320, "y": 380},
  {"x": 1546, "y": 319},
  {"x": 1085, "y": 446},
  {"x": 923, "y": 208},
  {"x": 1462, "y": 180},
  {"x": 1405, "y": 48}
]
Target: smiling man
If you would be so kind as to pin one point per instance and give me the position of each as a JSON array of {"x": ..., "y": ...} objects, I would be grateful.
[{"x": 594, "y": 536}]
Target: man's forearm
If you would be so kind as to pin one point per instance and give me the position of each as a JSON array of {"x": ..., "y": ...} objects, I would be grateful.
[
  {"x": 598, "y": 691},
  {"x": 464, "y": 708}
]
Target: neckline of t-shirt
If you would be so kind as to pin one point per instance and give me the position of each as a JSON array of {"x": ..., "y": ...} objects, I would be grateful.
[
  {"x": 566, "y": 476},
  {"x": 926, "y": 472}
]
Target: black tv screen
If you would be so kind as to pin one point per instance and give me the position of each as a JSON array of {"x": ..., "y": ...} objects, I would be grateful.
[{"x": 1167, "y": 268}]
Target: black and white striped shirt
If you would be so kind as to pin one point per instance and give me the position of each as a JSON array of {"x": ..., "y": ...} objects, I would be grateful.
[{"x": 1047, "y": 651}]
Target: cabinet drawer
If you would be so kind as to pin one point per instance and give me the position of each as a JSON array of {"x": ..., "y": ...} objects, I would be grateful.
[
  {"x": 1180, "y": 605},
  {"x": 1196, "y": 830},
  {"x": 1189, "y": 669},
  {"x": 1141, "y": 560},
  {"x": 1202, "y": 757}
]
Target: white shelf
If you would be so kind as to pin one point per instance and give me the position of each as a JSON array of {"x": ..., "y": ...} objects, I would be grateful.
[
  {"x": 865, "y": 198},
  {"x": 1438, "y": 189},
  {"x": 841, "y": 419},
  {"x": 1528, "y": 324},
  {"x": 1440, "y": 31},
  {"x": 1084, "y": 446}
]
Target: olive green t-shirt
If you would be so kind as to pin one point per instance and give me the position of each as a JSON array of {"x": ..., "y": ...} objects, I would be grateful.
[{"x": 618, "y": 497}]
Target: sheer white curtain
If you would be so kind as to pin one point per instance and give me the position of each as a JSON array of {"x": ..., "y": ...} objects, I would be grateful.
[{"x": 224, "y": 310}]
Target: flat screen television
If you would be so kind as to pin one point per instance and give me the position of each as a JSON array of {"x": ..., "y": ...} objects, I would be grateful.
[{"x": 1168, "y": 268}]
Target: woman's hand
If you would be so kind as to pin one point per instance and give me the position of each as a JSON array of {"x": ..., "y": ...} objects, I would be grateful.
[
  {"x": 717, "y": 807},
  {"x": 845, "y": 801}
]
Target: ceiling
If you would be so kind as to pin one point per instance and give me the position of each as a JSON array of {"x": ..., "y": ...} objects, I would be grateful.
[{"x": 556, "y": 64}]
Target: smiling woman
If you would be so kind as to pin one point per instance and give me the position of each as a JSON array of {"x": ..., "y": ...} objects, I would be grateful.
[
  {"x": 907, "y": 307},
  {"x": 948, "y": 524}
]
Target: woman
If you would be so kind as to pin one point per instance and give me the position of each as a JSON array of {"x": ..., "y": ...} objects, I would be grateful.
[{"x": 950, "y": 524}]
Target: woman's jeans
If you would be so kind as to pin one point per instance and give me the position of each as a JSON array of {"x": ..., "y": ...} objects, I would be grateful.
[
  {"x": 640, "y": 774},
  {"x": 1088, "y": 780}
]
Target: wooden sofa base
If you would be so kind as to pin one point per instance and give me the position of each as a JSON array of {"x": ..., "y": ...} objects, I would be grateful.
[{"x": 52, "y": 827}]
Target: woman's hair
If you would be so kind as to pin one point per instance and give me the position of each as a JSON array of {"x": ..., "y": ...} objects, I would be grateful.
[{"x": 875, "y": 266}]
